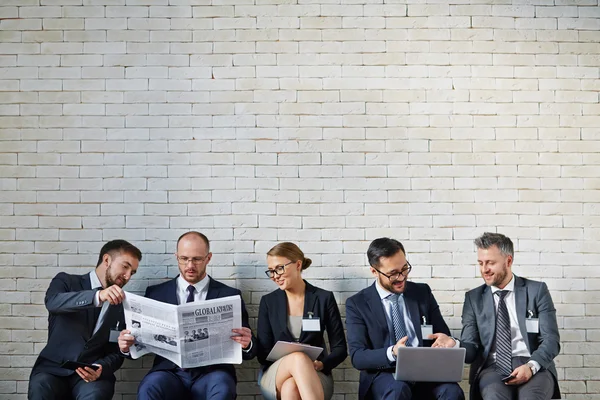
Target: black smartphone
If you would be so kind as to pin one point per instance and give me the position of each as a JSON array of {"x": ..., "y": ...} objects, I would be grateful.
[
  {"x": 76, "y": 364},
  {"x": 507, "y": 378}
]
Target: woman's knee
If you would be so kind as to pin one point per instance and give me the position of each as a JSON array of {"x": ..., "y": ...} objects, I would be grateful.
[{"x": 298, "y": 358}]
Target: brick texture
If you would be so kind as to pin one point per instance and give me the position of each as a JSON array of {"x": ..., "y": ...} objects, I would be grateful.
[{"x": 321, "y": 122}]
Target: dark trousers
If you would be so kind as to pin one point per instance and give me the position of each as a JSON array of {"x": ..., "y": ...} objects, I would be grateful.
[
  {"x": 187, "y": 384},
  {"x": 45, "y": 386},
  {"x": 385, "y": 387},
  {"x": 539, "y": 387}
]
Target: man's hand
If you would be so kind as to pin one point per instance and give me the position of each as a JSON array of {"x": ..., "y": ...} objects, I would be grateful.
[
  {"x": 126, "y": 340},
  {"x": 521, "y": 375},
  {"x": 318, "y": 365},
  {"x": 442, "y": 340},
  {"x": 401, "y": 342},
  {"x": 88, "y": 374},
  {"x": 243, "y": 337},
  {"x": 113, "y": 294}
]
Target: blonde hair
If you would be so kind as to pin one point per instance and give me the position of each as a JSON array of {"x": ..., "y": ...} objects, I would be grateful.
[{"x": 290, "y": 251}]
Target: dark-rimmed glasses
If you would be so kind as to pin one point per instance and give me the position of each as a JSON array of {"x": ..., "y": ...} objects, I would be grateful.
[
  {"x": 401, "y": 276},
  {"x": 278, "y": 270}
]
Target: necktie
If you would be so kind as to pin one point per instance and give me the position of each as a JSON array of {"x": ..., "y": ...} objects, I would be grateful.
[
  {"x": 503, "y": 337},
  {"x": 191, "y": 289},
  {"x": 398, "y": 318}
]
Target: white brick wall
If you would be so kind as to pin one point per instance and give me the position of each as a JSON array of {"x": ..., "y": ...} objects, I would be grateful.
[{"x": 324, "y": 123}]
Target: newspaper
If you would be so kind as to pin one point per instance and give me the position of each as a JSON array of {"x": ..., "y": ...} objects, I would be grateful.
[{"x": 190, "y": 335}]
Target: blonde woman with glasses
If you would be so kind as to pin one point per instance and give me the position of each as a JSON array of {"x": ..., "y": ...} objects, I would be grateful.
[{"x": 285, "y": 314}]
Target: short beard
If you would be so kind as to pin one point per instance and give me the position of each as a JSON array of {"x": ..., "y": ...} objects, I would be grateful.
[{"x": 109, "y": 280}]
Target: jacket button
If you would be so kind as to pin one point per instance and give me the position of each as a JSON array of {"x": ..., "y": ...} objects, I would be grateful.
[{"x": 85, "y": 347}]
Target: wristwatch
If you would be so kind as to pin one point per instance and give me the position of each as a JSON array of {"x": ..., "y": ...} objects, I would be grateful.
[{"x": 532, "y": 367}]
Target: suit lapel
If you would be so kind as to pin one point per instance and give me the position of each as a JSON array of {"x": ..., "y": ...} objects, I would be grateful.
[
  {"x": 92, "y": 312},
  {"x": 376, "y": 307},
  {"x": 489, "y": 314},
  {"x": 521, "y": 307},
  {"x": 309, "y": 306},
  {"x": 412, "y": 305},
  {"x": 170, "y": 293}
]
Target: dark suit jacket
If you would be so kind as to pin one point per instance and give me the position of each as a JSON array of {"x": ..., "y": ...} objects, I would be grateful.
[
  {"x": 368, "y": 333},
  {"x": 272, "y": 325},
  {"x": 167, "y": 293},
  {"x": 71, "y": 321},
  {"x": 479, "y": 327}
]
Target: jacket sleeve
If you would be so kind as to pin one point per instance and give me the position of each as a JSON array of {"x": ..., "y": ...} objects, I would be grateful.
[
  {"x": 266, "y": 339},
  {"x": 362, "y": 354},
  {"x": 548, "y": 338},
  {"x": 335, "y": 333},
  {"x": 60, "y": 299},
  {"x": 469, "y": 337}
]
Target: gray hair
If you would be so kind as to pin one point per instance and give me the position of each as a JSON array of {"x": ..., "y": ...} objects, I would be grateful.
[{"x": 489, "y": 239}]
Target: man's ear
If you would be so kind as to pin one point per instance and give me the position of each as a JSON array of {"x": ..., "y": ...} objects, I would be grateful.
[
  {"x": 374, "y": 272},
  {"x": 106, "y": 259}
]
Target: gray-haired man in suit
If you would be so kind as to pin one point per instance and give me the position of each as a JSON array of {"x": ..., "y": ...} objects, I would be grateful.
[{"x": 509, "y": 329}]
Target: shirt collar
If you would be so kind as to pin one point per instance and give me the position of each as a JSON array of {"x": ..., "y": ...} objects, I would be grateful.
[
  {"x": 510, "y": 286},
  {"x": 200, "y": 286},
  {"x": 94, "y": 280},
  {"x": 383, "y": 293}
]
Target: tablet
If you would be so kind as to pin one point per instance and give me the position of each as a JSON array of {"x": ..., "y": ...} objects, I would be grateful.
[
  {"x": 76, "y": 364},
  {"x": 282, "y": 349},
  {"x": 422, "y": 364}
]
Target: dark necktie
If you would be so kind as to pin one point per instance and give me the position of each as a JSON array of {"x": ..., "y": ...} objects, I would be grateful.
[
  {"x": 503, "y": 337},
  {"x": 398, "y": 318},
  {"x": 191, "y": 289}
]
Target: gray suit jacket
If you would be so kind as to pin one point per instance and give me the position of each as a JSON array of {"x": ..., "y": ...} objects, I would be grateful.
[{"x": 479, "y": 327}]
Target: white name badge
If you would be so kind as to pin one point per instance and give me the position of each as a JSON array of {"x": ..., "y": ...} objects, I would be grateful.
[
  {"x": 532, "y": 325},
  {"x": 426, "y": 330},
  {"x": 311, "y": 325}
]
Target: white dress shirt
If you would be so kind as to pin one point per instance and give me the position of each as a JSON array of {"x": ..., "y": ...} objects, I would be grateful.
[
  {"x": 200, "y": 292},
  {"x": 96, "y": 284},
  {"x": 519, "y": 348}
]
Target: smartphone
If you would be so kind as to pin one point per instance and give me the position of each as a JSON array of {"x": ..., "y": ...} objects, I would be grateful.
[
  {"x": 76, "y": 364},
  {"x": 507, "y": 378}
]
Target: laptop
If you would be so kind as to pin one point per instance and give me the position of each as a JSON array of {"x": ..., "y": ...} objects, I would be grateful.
[{"x": 430, "y": 364}]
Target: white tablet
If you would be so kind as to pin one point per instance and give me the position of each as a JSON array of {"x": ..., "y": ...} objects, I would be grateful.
[
  {"x": 430, "y": 364},
  {"x": 282, "y": 349}
]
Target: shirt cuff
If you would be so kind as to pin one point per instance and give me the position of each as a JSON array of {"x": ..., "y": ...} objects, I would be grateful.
[
  {"x": 536, "y": 366},
  {"x": 125, "y": 353},
  {"x": 457, "y": 344},
  {"x": 390, "y": 354},
  {"x": 97, "y": 302},
  {"x": 249, "y": 348}
]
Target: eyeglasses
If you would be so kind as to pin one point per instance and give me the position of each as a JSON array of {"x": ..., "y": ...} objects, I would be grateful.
[
  {"x": 182, "y": 260},
  {"x": 278, "y": 270},
  {"x": 397, "y": 276}
]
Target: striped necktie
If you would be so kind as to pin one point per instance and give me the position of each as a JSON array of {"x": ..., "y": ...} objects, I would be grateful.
[
  {"x": 503, "y": 337},
  {"x": 398, "y": 318}
]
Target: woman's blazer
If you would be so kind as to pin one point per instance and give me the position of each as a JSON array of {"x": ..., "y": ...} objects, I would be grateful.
[{"x": 273, "y": 318}]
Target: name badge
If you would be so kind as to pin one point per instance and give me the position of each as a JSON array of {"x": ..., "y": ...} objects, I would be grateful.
[
  {"x": 532, "y": 324},
  {"x": 311, "y": 324},
  {"x": 426, "y": 330},
  {"x": 114, "y": 334}
]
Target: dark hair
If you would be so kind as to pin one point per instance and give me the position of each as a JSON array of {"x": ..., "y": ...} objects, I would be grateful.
[
  {"x": 119, "y": 246},
  {"x": 290, "y": 251},
  {"x": 383, "y": 247},
  {"x": 195, "y": 233},
  {"x": 489, "y": 239}
]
